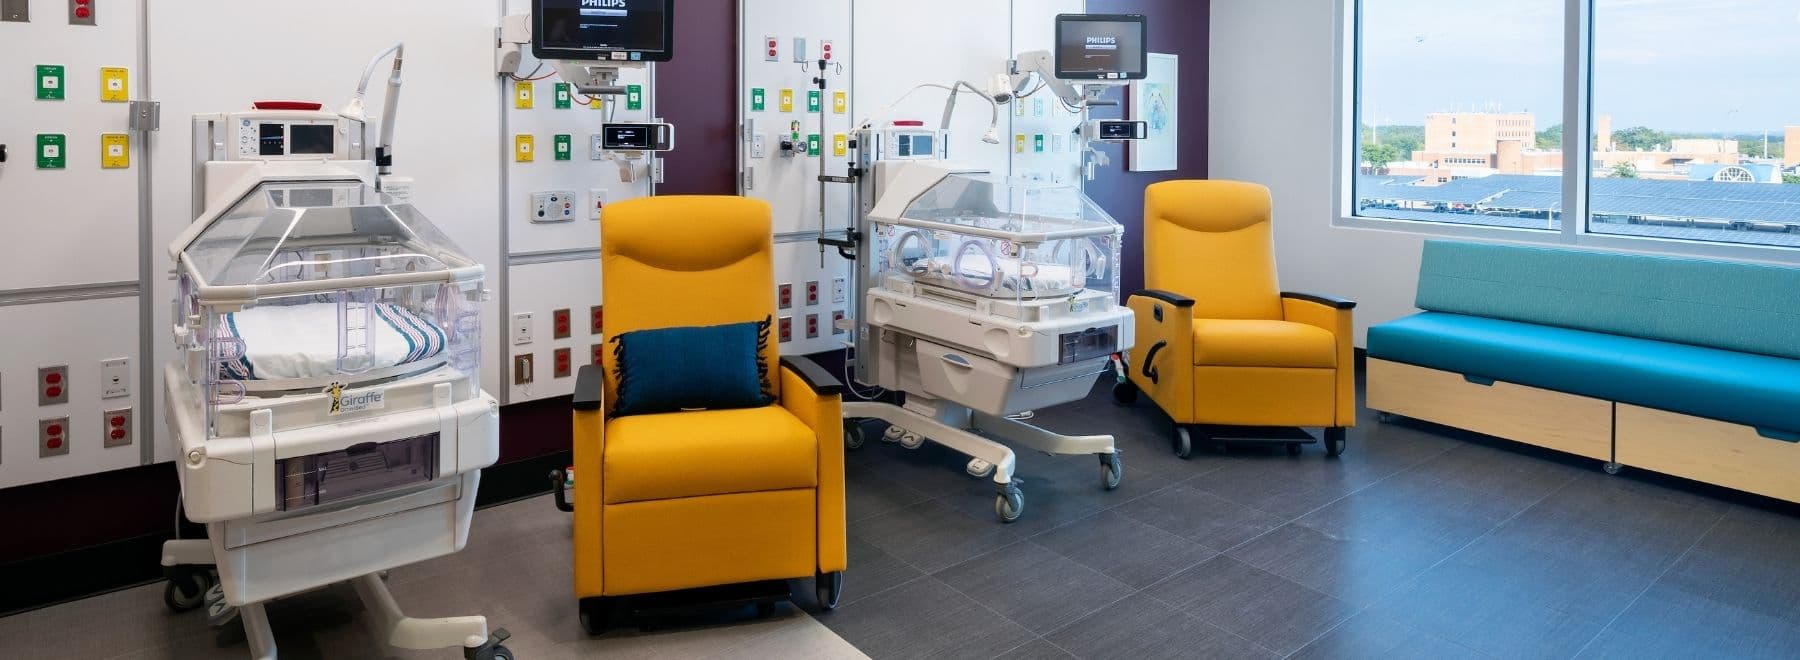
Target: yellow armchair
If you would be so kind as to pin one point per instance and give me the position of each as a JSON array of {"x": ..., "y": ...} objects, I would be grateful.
[
  {"x": 684, "y": 500},
  {"x": 1218, "y": 342}
]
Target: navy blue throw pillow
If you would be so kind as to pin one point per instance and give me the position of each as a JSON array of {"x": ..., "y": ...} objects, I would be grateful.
[{"x": 692, "y": 368}]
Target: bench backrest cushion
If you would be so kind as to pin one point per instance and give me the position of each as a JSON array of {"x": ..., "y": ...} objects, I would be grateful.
[{"x": 1753, "y": 308}]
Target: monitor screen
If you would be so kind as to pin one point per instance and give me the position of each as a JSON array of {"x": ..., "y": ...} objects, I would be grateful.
[
  {"x": 632, "y": 30},
  {"x": 1100, "y": 46},
  {"x": 311, "y": 138}
]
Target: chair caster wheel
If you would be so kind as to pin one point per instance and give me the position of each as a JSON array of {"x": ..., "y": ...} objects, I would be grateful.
[
  {"x": 1335, "y": 439},
  {"x": 830, "y": 587},
  {"x": 1009, "y": 504},
  {"x": 911, "y": 440},
  {"x": 492, "y": 649},
  {"x": 1386, "y": 417},
  {"x": 1612, "y": 468},
  {"x": 186, "y": 590},
  {"x": 853, "y": 435},
  {"x": 1112, "y": 471},
  {"x": 1184, "y": 443},
  {"x": 1293, "y": 449},
  {"x": 1125, "y": 393}
]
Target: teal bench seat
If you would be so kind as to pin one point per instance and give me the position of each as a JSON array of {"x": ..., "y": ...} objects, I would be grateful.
[{"x": 1744, "y": 388}]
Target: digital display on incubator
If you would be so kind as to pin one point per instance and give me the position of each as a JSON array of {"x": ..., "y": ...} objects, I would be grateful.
[
  {"x": 310, "y": 138},
  {"x": 1100, "y": 46},
  {"x": 914, "y": 145},
  {"x": 272, "y": 140},
  {"x": 635, "y": 30}
]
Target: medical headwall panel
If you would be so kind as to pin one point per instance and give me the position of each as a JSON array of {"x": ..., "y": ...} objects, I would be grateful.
[
  {"x": 1043, "y": 140},
  {"x": 71, "y": 208},
  {"x": 559, "y": 327},
  {"x": 557, "y": 187},
  {"x": 220, "y": 55},
  {"x": 71, "y": 432},
  {"x": 790, "y": 127}
]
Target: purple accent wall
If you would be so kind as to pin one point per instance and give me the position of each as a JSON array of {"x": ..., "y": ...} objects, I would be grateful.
[
  {"x": 697, "y": 92},
  {"x": 1180, "y": 27}
]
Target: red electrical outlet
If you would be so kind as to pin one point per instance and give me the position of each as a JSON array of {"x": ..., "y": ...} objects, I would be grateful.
[
  {"x": 596, "y": 318},
  {"x": 53, "y": 385},
  {"x": 561, "y": 363},
  {"x": 559, "y": 320},
  {"x": 596, "y": 354},
  {"x": 812, "y": 326},
  {"x": 787, "y": 329},
  {"x": 825, "y": 49},
  {"x": 118, "y": 427},
  {"x": 837, "y": 319},
  {"x": 784, "y": 296},
  {"x": 812, "y": 292},
  {"x": 53, "y": 437}
]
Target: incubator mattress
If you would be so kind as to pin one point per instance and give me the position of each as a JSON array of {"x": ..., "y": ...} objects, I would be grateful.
[
  {"x": 301, "y": 341},
  {"x": 1038, "y": 279}
]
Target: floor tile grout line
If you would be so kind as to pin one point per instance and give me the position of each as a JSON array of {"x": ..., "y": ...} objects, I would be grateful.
[
  {"x": 1195, "y": 618},
  {"x": 1453, "y": 553},
  {"x": 984, "y": 606},
  {"x": 1322, "y": 507},
  {"x": 1651, "y": 584}
]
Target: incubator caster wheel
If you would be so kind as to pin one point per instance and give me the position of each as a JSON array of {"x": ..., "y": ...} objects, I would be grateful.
[
  {"x": 853, "y": 435},
  {"x": 830, "y": 588},
  {"x": 1125, "y": 393},
  {"x": 1334, "y": 441},
  {"x": 892, "y": 433},
  {"x": 1010, "y": 503},
  {"x": 979, "y": 468},
  {"x": 1112, "y": 470},
  {"x": 1184, "y": 443},
  {"x": 492, "y": 649},
  {"x": 1293, "y": 449},
  {"x": 911, "y": 440},
  {"x": 1612, "y": 467},
  {"x": 186, "y": 590},
  {"x": 226, "y": 621}
]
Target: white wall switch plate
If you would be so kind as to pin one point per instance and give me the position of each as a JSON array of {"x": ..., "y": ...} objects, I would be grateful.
[
  {"x": 522, "y": 328},
  {"x": 596, "y": 202},
  {"x": 838, "y": 294},
  {"x": 757, "y": 148},
  {"x": 115, "y": 378}
]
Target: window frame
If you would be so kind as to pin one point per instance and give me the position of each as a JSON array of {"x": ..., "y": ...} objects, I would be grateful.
[{"x": 1578, "y": 128}]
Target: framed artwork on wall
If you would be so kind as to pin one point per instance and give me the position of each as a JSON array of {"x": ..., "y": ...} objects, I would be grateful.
[{"x": 1154, "y": 102}]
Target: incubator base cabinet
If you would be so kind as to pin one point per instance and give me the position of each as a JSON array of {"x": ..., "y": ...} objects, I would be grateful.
[
  {"x": 985, "y": 299},
  {"x": 326, "y": 399}
]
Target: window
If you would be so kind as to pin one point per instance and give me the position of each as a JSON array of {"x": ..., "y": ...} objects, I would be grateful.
[
  {"x": 1465, "y": 77},
  {"x": 1676, "y": 145}
]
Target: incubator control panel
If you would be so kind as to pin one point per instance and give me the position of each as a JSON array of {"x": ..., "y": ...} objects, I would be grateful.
[{"x": 284, "y": 135}]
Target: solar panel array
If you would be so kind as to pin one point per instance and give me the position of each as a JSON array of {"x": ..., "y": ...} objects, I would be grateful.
[{"x": 1652, "y": 199}]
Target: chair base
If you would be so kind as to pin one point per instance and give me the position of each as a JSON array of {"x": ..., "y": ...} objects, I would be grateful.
[{"x": 651, "y": 611}]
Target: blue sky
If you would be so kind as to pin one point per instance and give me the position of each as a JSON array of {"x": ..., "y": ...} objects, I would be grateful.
[{"x": 1689, "y": 65}]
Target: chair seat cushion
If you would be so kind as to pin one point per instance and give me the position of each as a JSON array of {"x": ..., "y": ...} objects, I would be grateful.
[
  {"x": 1257, "y": 343},
  {"x": 708, "y": 452},
  {"x": 1743, "y": 388}
]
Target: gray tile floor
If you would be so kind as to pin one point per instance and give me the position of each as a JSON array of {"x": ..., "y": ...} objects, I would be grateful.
[{"x": 1420, "y": 542}]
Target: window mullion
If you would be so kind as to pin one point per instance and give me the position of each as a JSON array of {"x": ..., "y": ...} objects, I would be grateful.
[{"x": 1578, "y": 125}]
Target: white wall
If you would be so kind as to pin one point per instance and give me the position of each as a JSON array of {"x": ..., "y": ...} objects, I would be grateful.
[{"x": 1273, "y": 112}]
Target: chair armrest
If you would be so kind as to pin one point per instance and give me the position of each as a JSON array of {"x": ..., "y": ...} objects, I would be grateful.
[
  {"x": 1328, "y": 301},
  {"x": 588, "y": 384},
  {"x": 820, "y": 381},
  {"x": 1170, "y": 297}
]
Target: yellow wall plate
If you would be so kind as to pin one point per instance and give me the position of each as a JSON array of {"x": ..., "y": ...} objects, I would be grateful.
[
  {"x": 523, "y": 148},
  {"x": 787, "y": 100},
  {"x": 115, "y": 86},
  {"x": 522, "y": 95},
  {"x": 115, "y": 151}
]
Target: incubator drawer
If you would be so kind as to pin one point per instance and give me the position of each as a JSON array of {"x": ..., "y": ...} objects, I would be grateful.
[
  {"x": 996, "y": 388},
  {"x": 363, "y": 469}
]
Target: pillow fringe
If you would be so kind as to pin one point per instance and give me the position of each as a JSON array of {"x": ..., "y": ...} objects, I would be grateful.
[{"x": 762, "y": 358}]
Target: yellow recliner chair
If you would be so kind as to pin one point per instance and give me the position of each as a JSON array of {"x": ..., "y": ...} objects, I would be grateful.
[
  {"x": 1218, "y": 342},
  {"x": 683, "y": 500}
]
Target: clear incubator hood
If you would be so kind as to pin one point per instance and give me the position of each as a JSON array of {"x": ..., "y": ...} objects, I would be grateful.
[
  {"x": 299, "y": 285},
  {"x": 997, "y": 237}
]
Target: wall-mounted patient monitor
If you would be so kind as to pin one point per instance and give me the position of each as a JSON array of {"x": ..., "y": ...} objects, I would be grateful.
[
  {"x": 1100, "y": 46},
  {"x": 637, "y": 136},
  {"x": 613, "y": 30}
]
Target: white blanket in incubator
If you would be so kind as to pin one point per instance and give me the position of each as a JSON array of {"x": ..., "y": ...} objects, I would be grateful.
[{"x": 301, "y": 341}]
